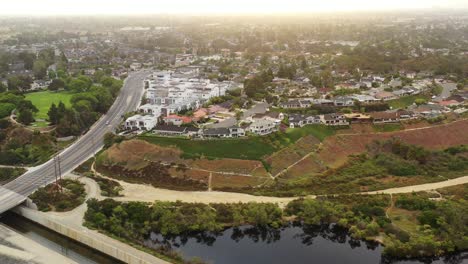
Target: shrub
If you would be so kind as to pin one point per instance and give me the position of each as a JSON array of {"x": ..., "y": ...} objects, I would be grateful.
[{"x": 414, "y": 202}]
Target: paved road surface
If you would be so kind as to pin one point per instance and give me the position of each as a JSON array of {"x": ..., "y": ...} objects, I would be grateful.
[
  {"x": 15, "y": 192},
  {"x": 447, "y": 89}
]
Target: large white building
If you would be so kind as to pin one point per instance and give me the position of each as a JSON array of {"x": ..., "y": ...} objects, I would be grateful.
[
  {"x": 168, "y": 92},
  {"x": 141, "y": 122},
  {"x": 179, "y": 91}
]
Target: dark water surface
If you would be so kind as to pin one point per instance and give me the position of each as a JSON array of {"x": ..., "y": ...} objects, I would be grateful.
[{"x": 293, "y": 244}]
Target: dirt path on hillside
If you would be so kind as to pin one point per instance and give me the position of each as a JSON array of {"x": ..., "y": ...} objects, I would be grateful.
[
  {"x": 148, "y": 193},
  {"x": 405, "y": 130},
  {"x": 425, "y": 187}
]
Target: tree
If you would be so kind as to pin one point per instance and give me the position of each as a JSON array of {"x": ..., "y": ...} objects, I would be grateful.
[
  {"x": 21, "y": 83},
  {"x": 25, "y": 116},
  {"x": 420, "y": 101},
  {"x": 40, "y": 69},
  {"x": 56, "y": 84},
  {"x": 238, "y": 115},
  {"x": 53, "y": 114},
  {"x": 3, "y": 87},
  {"x": 13, "y": 83},
  {"x": 77, "y": 86},
  {"x": 254, "y": 86},
  {"x": 61, "y": 108},
  {"x": 5, "y": 109}
]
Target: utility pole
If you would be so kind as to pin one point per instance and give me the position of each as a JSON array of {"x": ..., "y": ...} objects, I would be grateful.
[
  {"x": 55, "y": 171},
  {"x": 59, "y": 170}
]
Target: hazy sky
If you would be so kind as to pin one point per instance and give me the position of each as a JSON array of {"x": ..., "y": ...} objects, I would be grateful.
[{"x": 67, "y": 7}]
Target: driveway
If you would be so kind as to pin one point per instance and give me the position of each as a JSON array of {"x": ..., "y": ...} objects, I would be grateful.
[
  {"x": 258, "y": 108},
  {"x": 447, "y": 89}
]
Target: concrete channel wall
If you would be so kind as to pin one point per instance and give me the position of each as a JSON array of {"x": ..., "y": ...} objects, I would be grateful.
[{"x": 91, "y": 238}]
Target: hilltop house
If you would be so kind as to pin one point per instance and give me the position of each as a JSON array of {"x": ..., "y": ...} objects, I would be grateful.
[
  {"x": 172, "y": 130},
  {"x": 298, "y": 120},
  {"x": 429, "y": 110},
  {"x": 230, "y": 132},
  {"x": 358, "y": 118},
  {"x": 263, "y": 127},
  {"x": 276, "y": 117},
  {"x": 385, "y": 117},
  {"x": 334, "y": 120},
  {"x": 139, "y": 122},
  {"x": 406, "y": 114}
]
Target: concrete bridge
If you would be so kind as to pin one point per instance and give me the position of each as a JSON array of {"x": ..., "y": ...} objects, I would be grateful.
[{"x": 15, "y": 192}]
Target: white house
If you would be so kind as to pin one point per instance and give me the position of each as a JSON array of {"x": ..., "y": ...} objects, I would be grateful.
[
  {"x": 39, "y": 84},
  {"x": 139, "y": 122},
  {"x": 150, "y": 109},
  {"x": 263, "y": 127},
  {"x": 222, "y": 132}
]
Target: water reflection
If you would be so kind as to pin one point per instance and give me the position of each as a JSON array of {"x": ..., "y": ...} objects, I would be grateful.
[{"x": 296, "y": 243}]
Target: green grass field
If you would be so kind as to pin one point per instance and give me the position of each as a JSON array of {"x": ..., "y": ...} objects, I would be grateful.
[
  {"x": 254, "y": 148},
  {"x": 43, "y": 101},
  {"x": 406, "y": 101}
]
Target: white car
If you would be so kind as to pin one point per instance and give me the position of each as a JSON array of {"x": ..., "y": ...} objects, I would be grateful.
[{"x": 107, "y": 123}]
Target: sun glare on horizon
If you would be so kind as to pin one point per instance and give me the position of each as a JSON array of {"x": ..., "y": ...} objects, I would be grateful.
[{"x": 56, "y": 7}]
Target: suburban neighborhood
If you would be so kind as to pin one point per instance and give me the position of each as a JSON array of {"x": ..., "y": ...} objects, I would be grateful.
[{"x": 258, "y": 137}]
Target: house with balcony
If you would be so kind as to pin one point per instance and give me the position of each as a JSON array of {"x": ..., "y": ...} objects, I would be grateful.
[
  {"x": 334, "y": 120},
  {"x": 263, "y": 127},
  {"x": 299, "y": 120},
  {"x": 222, "y": 132},
  {"x": 140, "y": 122},
  {"x": 385, "y": 117}
]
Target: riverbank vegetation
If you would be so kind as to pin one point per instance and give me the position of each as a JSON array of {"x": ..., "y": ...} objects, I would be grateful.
[
  {"x": 132, "y": 222},
  {"x": 409, "y": 225},
  {"x": 109, "y": 188},
  {"x": 9, "y": 174},
  {"x": 64, "y": 196}
]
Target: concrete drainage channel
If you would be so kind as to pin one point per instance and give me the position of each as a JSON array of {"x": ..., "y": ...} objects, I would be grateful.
[{"x": 75, "y": 251}]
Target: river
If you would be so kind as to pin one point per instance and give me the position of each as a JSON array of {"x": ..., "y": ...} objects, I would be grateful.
[{"x": 292, "y": 244}]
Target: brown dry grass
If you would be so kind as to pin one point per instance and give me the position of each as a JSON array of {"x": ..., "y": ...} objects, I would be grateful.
[
  {"x": 308, "y": 167},
  {"x": 198, "y": 175},
  {"x": 136, "y": 154},
  {"x": 337, "y": 148},
  {"x": 228, "y": 182},
  {"x": 227, "y": 165},
  {"x": 289, "y": 155}
]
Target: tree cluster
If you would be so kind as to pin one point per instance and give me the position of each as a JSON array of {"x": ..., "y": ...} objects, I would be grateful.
[{"x": 88, "y": 102}]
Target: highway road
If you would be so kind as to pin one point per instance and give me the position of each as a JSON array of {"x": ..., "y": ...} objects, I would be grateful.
[{"x": 15, "y": 192}]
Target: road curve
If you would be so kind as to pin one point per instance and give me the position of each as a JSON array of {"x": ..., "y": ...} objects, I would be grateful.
[{"x": 16, "y": 191}]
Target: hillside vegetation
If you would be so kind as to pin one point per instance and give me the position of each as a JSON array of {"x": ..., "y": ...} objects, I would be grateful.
[{"x": 385, "y": 164}]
